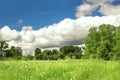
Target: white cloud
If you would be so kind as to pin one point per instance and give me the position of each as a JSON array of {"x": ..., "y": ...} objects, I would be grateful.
[
  {"x": 85, "y": 9},
  {"x": 108, "y": 9},
  {"x": 7, "y": 34},
  {"x": 20, "y": 21},
  {"x": 27, "y": 35},
  {"x": 99, "y": 1},
  {"x": 66, "y": 32},
  {"x": 105, "y": 7}
]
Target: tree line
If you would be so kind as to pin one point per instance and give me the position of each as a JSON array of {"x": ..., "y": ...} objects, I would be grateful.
[
  {"x": 71, "y": 52},
  {"x": 12, "y": 52},
  {"x": 102, "y": 42}
]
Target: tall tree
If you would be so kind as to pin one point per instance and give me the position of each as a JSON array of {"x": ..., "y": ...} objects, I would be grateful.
[
  {"x": 92, "y": 43},
  {"x": 3, "y": 47},
  {"x": 100, "y": 42},
  {"x": 37, "y": 51},
  {"x": 116, "y": 49},
  {"x": 107, "y": 33}
]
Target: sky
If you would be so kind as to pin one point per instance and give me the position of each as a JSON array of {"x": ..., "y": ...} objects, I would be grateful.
[
  {"x": 52, "y": 24},
  {"x": 37, "y": 13}
]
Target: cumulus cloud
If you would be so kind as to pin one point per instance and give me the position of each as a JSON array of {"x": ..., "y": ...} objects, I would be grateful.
[
  {"x": 108, "y": 9},
  {"x": 27, "y": 35},
  {"x": 105, "y": 7},
  {"x": 66, "y": 32},
  {"x": 60, "y": 34},
  {"x": 7, "y": 34},
  {"x": 85, "y": 9}
]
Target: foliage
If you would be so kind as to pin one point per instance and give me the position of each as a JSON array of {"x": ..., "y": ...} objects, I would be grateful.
[
  {"x": 13, "y": 52},
  {"x": 100, "y": 42},
  {"x": 47, "y": 55},
  {"x": 3, "y": 48},
  {"x": 71, "y": 51},
  {"x": 66, "y": 51},
  {"x": 116, "y": 48},
  {"x": 37, "y": 51}
]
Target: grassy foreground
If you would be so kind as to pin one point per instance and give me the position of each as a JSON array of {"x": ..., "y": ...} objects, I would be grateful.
[{"x": 60, "y": 70}]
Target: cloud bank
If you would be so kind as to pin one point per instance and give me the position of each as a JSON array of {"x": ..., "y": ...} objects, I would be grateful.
[{"x": 66, "y": 32}]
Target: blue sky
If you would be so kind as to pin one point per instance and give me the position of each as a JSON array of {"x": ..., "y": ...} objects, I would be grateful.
[{"x": 36, "y": 13}]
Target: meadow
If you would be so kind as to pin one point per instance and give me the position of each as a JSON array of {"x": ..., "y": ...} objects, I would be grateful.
[{"x": 60, "y": 70}]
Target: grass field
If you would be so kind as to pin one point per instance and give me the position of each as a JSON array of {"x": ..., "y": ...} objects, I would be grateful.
[{"x": 60, "y": 70}]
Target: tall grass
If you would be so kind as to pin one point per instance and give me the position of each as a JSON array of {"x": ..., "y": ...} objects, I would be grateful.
[{"x": 60, "y": 70}]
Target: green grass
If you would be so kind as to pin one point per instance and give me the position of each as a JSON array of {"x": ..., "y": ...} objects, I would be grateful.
[{"x": 60, "y": 70}]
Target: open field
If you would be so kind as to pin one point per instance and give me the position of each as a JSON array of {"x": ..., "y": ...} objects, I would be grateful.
[{"x": 60, "y": 70}]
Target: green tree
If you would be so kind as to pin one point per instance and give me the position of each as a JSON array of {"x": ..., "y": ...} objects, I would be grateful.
[
  {"x": 15, "y": 52},
  {"x": 37, "y": 51},
  {"x": 9, "y": 54},
  {"x": 116, "y": 49},
  {"x": 71, "y": 51},
  {"x": 78, "y": 52},
  {"x": 3, "y": 48},
  {"x": 92, "y": 42},
  {"x": 100, "y": 42},
  {"x": 41, "y": 55},
  {"x": 53, "y": 54},
  {"x": 107, "y": 33}
]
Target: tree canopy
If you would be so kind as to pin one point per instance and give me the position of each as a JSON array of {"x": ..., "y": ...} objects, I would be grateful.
[{"x": 103, "y": 42}]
